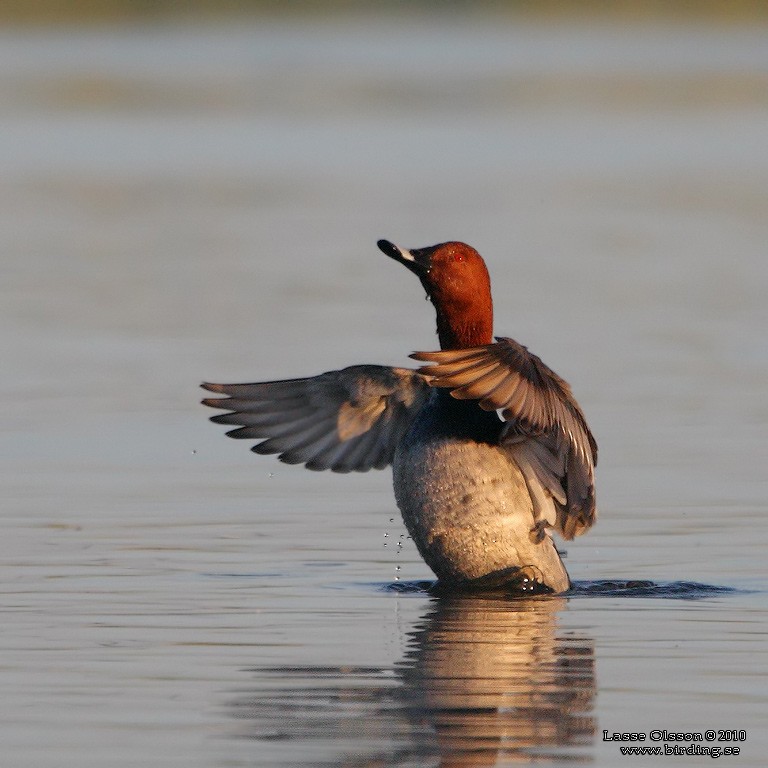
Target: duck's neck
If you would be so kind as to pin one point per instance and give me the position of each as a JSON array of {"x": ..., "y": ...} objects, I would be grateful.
[{"x": 458, "y": 328}]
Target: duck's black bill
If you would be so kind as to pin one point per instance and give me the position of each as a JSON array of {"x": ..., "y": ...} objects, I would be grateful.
[
  {"x": 390, "y": 249},
  {"x": 418, "y": 260}
]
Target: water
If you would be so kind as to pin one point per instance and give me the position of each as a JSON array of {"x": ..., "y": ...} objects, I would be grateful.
[{"x": 182, "y": 203}]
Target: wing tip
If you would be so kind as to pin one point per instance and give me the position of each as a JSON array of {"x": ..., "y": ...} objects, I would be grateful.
[
  {"x": 220, "y": 418},
  {"x": 216, "y": 402},
  {"x": 577, "y": 522}
]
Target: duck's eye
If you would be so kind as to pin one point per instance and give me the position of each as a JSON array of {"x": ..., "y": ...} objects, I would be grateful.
[{"x": 458, "y": 257}]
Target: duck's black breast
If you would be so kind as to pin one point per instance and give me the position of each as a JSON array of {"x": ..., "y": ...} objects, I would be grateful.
[{"x": 444, "y": 416}]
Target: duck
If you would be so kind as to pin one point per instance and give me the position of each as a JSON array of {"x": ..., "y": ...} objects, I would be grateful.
[{"x": 490, "y": 452}]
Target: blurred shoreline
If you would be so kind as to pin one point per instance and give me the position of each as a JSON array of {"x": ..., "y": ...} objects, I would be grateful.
[{"x": 132, "y": 11}]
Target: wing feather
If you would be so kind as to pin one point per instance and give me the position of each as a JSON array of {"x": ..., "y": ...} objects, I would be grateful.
[
  {"x": 346, "y": 420},
  {"x": 546, "y": 431}
]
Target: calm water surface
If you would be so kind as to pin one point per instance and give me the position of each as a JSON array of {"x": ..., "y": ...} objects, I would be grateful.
[{"x": 189, "y": 203}]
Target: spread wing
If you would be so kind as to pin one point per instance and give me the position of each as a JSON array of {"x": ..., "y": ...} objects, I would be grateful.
[
  {"x": 546, "y": 432},
  {"x": 348, "y": 420}
]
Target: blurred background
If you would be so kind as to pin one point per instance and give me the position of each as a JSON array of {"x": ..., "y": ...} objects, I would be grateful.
[
  {"x": 85, "y": 11},
  {"x": 193, "y": 191}
]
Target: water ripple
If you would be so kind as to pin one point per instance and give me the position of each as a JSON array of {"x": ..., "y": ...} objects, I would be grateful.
[{"x": 678, "y": 590}]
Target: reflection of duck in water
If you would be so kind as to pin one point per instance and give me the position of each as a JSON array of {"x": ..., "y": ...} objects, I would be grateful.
[
  {"x": 479, "y": 494},
  {"x": 484, "y": 681},
  {"x": 491, "y": 676}
]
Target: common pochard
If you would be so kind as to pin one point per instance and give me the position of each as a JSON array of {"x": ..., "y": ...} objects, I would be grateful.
[{"x": 490, "y": 451}]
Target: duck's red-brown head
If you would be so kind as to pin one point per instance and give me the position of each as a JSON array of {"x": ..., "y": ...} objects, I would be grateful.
[{"x": 456, "y": 280}]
